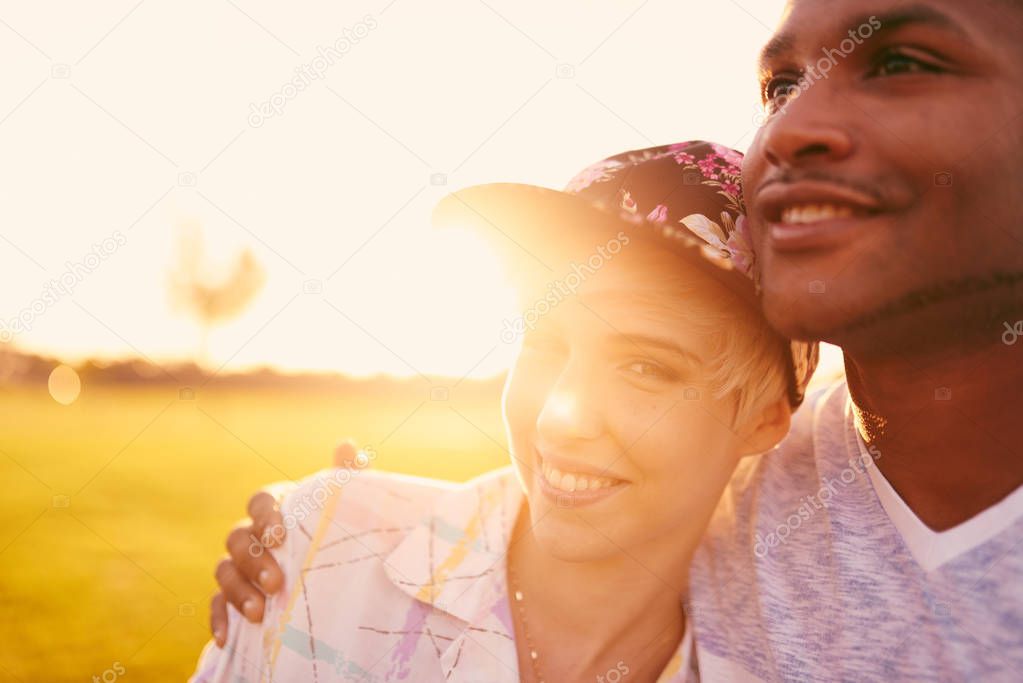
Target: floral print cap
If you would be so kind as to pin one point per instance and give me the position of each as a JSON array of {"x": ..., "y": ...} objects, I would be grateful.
[
  {"x": 690, "y": 190},
  {"x": 689, "y": 193}
]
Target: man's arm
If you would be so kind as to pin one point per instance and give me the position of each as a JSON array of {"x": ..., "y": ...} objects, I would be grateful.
[{"x": 249, "y": 573}]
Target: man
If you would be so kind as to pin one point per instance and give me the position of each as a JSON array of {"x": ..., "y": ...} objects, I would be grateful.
[
  {"x": 886, "y": 221},
  {"x": 883, "y": 540}
]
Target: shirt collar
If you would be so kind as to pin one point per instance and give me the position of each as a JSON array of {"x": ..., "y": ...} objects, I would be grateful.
[{"x": 454, "y": 559}]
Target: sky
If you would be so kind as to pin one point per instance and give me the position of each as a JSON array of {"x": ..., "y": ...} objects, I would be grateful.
[{"x": 123, "y": 123}]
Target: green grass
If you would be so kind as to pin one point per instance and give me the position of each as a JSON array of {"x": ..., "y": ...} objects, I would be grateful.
[{"x": 123, "y": 573}]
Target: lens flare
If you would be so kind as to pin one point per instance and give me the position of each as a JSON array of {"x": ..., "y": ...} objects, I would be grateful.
[{"x": 64, "y": 385}]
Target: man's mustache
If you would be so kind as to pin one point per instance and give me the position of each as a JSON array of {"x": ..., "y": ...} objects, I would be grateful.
[{"x": 869, "y": 188}]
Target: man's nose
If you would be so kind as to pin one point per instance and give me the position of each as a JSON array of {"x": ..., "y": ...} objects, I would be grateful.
[{"x": 810, "y": 128}]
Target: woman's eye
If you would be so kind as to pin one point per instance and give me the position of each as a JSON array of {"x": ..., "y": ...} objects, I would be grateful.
[
  {"x": 649, "y": 370},
  {"x": 899, "y": 63}
]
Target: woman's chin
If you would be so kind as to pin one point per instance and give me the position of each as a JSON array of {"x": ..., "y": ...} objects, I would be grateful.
[{"x": 571, "y": 540}]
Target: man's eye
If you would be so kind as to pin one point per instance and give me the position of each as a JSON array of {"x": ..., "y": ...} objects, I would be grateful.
[
  {"x": 897, "y": 63},
  {"x": 779, "y": 90}
]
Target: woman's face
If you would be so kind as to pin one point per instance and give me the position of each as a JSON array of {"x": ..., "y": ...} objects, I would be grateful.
[{"x": 617, "y": 438}]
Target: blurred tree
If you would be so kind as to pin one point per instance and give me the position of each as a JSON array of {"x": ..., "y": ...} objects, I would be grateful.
[{"x": 209, "y": 293}]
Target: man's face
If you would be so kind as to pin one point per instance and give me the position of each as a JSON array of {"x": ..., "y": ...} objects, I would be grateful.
[{"x": 884, "y": 188}]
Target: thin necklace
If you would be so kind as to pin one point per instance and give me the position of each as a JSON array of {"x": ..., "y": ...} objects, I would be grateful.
[{"x": 534, "y": 655}]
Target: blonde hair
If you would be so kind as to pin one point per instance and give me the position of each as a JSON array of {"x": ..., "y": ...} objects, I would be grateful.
[{"x": 750, "y": 364}]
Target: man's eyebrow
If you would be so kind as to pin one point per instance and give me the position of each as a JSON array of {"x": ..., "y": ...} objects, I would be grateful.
[
  {"x": 776, "y": 47},
  {"x": 894, "y": 20},
  {"x": 911, "y": 15},
  {"x": 643, "y": 340}
]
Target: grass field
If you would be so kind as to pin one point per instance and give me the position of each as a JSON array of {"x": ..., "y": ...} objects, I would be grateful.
[{"x": 114, "y": 509}]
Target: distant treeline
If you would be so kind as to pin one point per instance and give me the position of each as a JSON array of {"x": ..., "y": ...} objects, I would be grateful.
[{"x": 17, "y": 367}]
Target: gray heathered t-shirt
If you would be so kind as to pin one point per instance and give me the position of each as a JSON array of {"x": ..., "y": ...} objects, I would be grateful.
[{"x": 804, "y": 577}]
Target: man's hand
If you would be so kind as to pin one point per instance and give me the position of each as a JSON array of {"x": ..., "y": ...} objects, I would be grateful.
[
  {"x": 250, "y": 569},
  {"x": 250, "y": 572}
]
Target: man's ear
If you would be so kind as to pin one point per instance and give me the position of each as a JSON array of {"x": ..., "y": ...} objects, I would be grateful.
[{"x": 765, "y": 429}]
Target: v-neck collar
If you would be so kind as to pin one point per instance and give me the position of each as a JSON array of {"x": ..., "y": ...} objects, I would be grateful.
[{"x": 929, "y": 548}]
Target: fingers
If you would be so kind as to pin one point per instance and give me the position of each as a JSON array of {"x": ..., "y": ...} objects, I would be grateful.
[
  {"x": 250, "y": 570},
  {"x": 267, "y": 521},
  {"x": 248, "y": 548},
  {"x": 239, "y": 592},
  {"x": 252, "y": 562},
  {"x": 218, "y": 619},
  {"x": 344, "y": 454}
]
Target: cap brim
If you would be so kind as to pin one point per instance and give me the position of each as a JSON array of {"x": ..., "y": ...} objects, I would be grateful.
[{"x": 541, "y": 232}]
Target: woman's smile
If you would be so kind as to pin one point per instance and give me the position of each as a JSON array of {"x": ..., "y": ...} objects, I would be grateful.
[{"x": 569, "y": 484}]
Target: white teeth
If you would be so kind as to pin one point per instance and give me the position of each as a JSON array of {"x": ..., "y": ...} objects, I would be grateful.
[
  {"x": 812, "y": 213},
  {"x": 574, "y": 481},
  {"x": 554, "y": 477}
]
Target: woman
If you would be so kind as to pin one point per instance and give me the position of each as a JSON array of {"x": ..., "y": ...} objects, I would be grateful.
[{"x": 646, "y": 372}]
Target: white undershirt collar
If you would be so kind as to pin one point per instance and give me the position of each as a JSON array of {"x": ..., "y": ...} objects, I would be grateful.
[{"x": 931, "y": 549}]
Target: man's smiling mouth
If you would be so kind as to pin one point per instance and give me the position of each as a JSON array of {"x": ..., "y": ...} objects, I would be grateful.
[{"x": 813, "y": 214}]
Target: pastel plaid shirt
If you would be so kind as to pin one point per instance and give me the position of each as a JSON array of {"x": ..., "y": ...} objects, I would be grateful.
[{"x": 388, "y": 578}]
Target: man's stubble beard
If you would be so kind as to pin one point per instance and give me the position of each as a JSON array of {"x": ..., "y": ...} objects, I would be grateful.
[{"x": 964, "y": 313}]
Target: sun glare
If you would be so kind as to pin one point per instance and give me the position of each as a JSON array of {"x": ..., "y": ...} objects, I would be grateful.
[{"x": 338, "y": 194}]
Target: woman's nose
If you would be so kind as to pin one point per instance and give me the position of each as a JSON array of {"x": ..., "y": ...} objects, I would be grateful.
[{"x": 571, "y": 411}]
